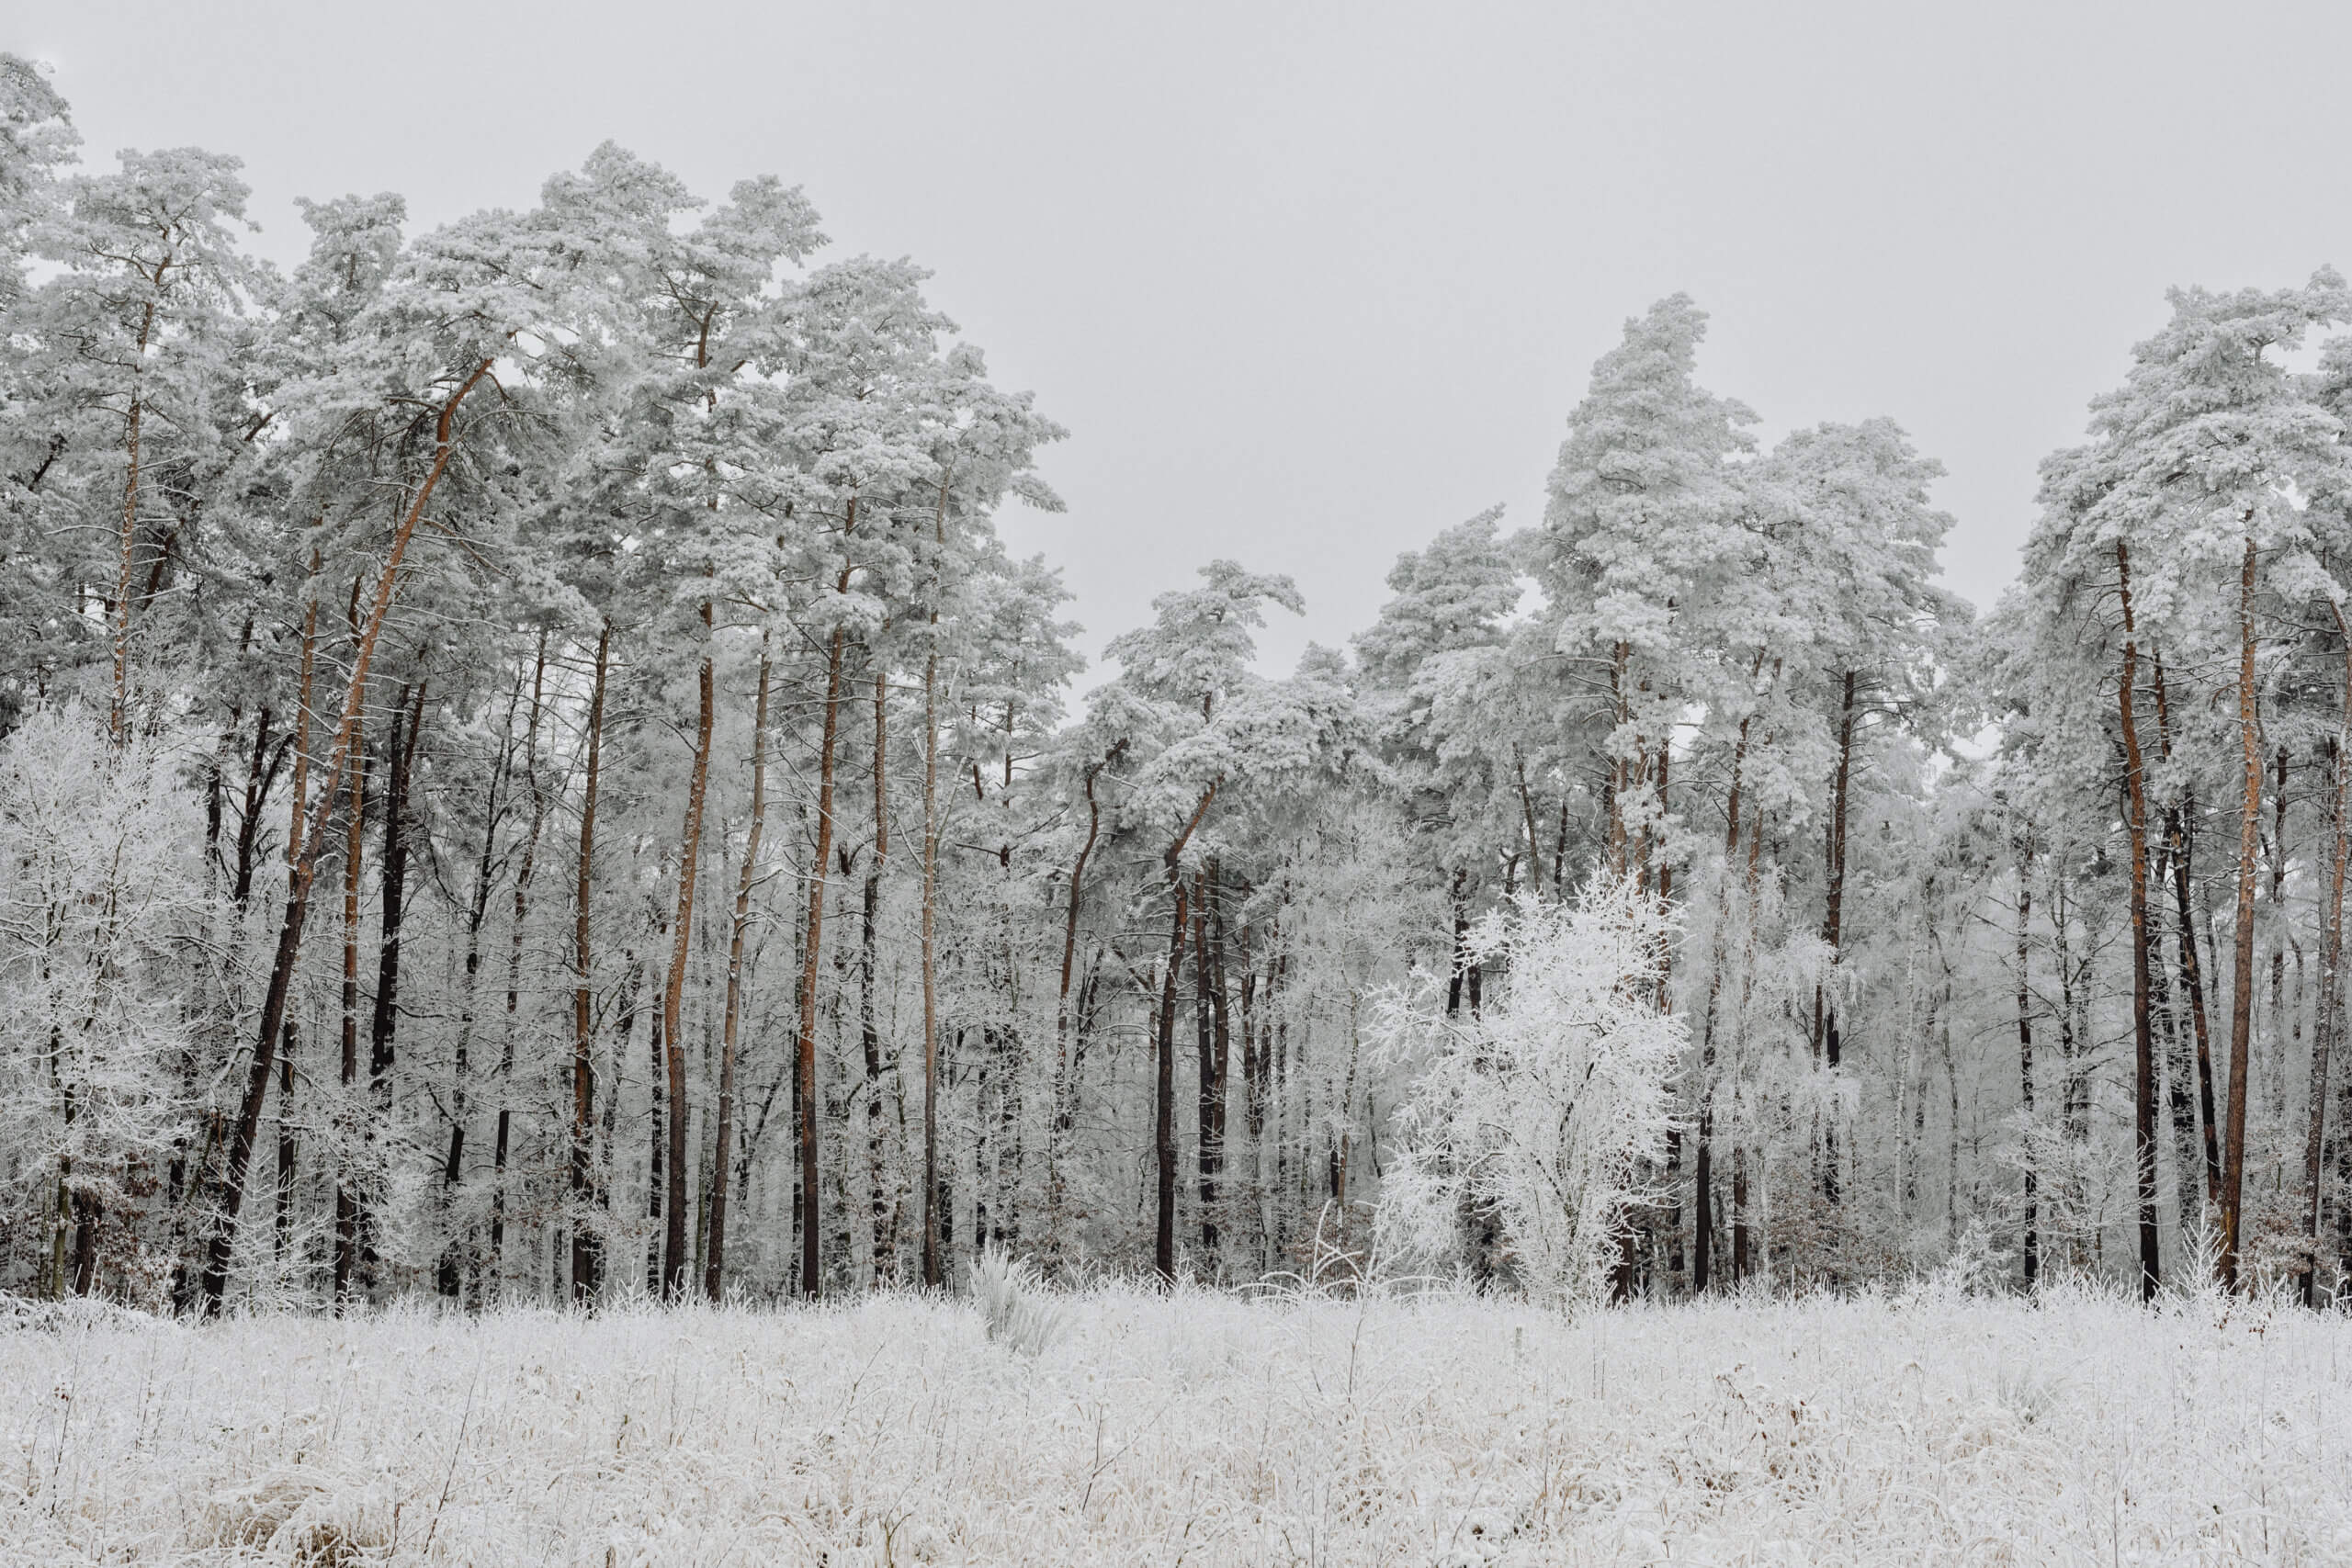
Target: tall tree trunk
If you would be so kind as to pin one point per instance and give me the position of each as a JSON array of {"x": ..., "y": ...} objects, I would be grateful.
[
  {"x": 1827, "y": 1045},
  {"x": 1204, "y": 1074},
  {"x": 1526, "y": 811},
  {"x": 587, "y": 1242},
  {"x": 384, "y": 1018},
  {"x": 2180, "y": 1065},
  {"x": 221, "y": 1244},
  {"x": 1703, "y": 1166},
  {"x": 392, "y": 884},
  {"x": 2280, "y": 1028},
  {"x": 657, "y": 1157},
  {"x": 2180, "y": 830},
  {"x": 674, "y": 1235},
  {"x": 2032, "y": 1240},
  {"x": 715, "y": 1259},
  {"x": 284, "y": 1238},
  {"x": 1620, "y": 657},
  {"x": 881, "y": 1201},
  {"x": 347, "y": 1217},
  {"x": 1742, "y": 1219},
  {"x": 2330, "y": 978},
  {"x": 449, "y": 1276},
  {"x": 2143, "y": 1074},
  {"x": 503, "y": 1129},
  {"x": 2241, "y": 969},
  {"x": 812, "y": 1208},
  {"x": 297, "y": 806},
  {"x": 257, "y": 783},
  {"x": 1063, "y": 1108},
  {"x": 813, "y": 935},
  {"x": 933, "y": 1276},
  {"x": 1825, "y": 1011},
  {"x": 1163, "y": 1251},
  {"x": 1220, "y": 1027},
  {"x": 304, "y": 673}
]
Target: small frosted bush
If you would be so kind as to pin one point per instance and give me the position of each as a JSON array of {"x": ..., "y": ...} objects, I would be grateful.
[{"x": 1013, "y": 1302}]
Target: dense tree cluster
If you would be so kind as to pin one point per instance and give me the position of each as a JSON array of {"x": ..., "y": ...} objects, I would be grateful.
[{"x": 528, "y": 774}]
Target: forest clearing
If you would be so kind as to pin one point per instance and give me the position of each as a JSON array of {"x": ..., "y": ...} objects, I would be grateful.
[{"x": 1196, "y": 1427}]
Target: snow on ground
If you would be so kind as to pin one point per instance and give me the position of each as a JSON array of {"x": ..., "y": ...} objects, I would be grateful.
[{"x": 1197, "y": 1429}]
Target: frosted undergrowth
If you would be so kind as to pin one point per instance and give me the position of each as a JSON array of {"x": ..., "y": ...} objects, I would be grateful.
[{"x": 1201, "y": 1428}]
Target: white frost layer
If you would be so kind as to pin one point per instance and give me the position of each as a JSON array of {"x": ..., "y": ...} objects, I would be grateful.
[{"x": 1203, "y": 1429}]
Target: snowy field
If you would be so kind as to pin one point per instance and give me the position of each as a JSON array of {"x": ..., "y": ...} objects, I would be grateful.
[{"x": 1201, "y": 1430}]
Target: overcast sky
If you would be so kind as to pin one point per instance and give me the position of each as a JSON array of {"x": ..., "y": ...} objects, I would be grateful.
[{"x": 1308, "y": 283}]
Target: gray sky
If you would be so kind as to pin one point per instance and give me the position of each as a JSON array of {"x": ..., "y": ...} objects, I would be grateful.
[{"x": 1309, "y": 282}]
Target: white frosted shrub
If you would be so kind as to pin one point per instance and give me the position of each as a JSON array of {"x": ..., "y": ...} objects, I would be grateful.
[
  {"x": 1542, "y": 1109},
  {"x": 1013, "y": 1302}
]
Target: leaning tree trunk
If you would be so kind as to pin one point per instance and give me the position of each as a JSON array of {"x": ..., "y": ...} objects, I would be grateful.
[
  {"x": 2242, "y": 968},
  {"x": 2143, "y": 1076},
  {"x": 714, "y": 1277},
  {"x": 222, "y": 1244}
]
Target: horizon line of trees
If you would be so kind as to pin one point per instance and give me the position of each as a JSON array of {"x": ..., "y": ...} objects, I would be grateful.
[{"x": 528, "y": 774}]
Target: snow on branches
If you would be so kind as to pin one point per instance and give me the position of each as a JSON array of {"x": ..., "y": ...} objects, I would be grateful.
[{"x": 1539, "y": 1110}]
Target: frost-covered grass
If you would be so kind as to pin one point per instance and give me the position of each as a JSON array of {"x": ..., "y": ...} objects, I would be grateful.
[{"x": 1196, "y": 1429}]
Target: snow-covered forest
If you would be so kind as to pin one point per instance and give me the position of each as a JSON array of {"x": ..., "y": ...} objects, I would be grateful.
[{"x": 529, "y": 777}]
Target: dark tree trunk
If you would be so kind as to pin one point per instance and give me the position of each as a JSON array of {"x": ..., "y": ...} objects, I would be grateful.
[
  {"x": 881, "y": 1201},
  {"x": 1163, "y": 1251},
  {"x": 347, "y": 1217},
  {"x": 221, "y": 1246},
  {"x": 2032, "y": 1240},
  {"x": 449, "y": 1275},
  {"x": 2144, "y": 1078},
  {"x": 714, "y": 1257},
  {"x": 587, "y": 1239},
  {"x": 811, "y": 1206},
  {"x": 673, "y": 1234},
  {"x": 1064, "y": 1066},
  {"x": 657, "y": 1160},
  {"x": 2242, "y": 968},
  {"x": 502, "y": 1137},
  {"x": 384, "y": 1020},
  {"x": 286, "y": 1148},
  {"x": 2330, "y": 980},
  {"x": 1827, "y": 1045}
]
